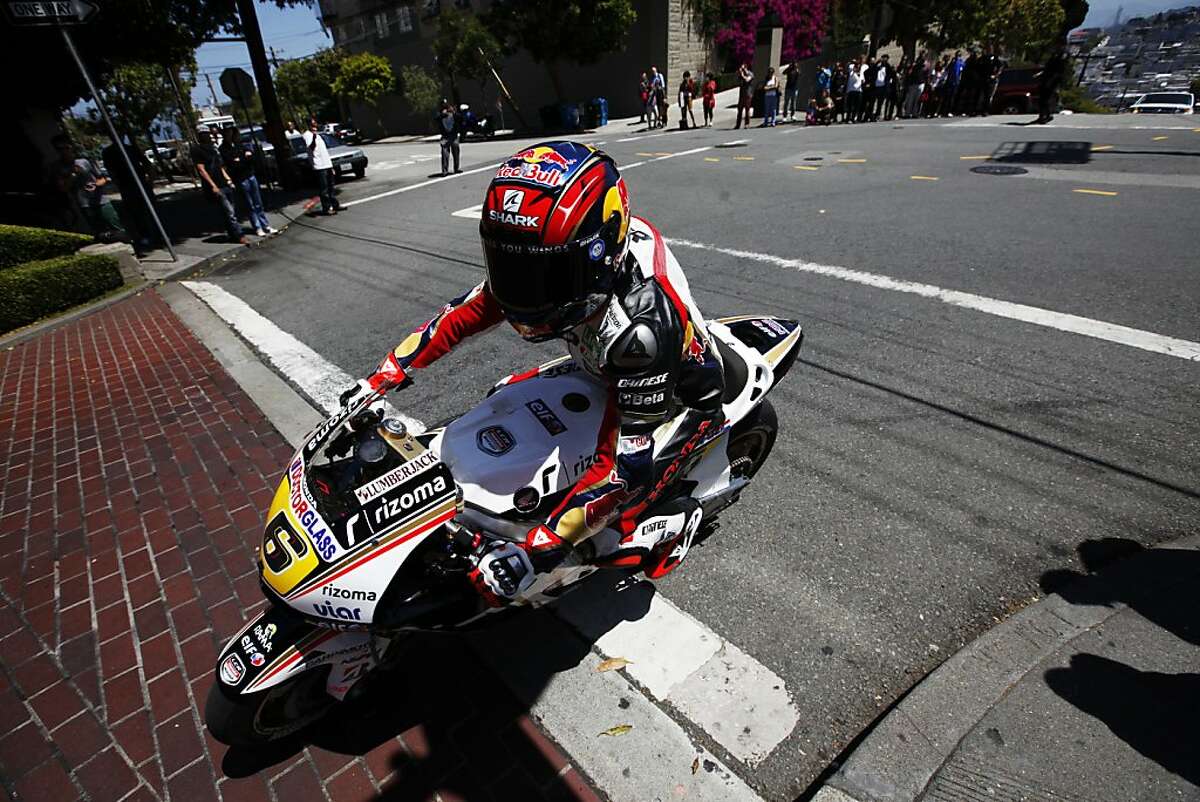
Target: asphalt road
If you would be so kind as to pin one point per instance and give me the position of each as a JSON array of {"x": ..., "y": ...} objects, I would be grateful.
[{"x": 934, "y": 461}]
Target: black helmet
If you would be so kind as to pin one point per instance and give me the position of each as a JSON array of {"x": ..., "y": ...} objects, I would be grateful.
[{"x": 554, "y": 229}]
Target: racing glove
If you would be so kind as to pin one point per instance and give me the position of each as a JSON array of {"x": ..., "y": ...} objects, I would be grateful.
[
  {"x": 388, "y": 376},
  {"x": 505, "y": 570}
]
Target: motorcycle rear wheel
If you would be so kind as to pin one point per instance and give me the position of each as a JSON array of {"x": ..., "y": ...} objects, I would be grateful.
[
  {"x": 270, "y": 715},
  {"x": 751, "y": 441}
]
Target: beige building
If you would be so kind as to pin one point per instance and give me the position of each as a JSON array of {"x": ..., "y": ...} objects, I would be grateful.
[{"x": 663, "y": 36}]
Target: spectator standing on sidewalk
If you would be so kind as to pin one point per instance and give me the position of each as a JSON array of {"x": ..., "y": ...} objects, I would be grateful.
[
  {"x": 449, "y": 133},
  {"x": 854, "y": 94},
  {"x": 791, "y": 91},
  {"x": 135, "y": 215},
  {"x": 710, "y": 98},
  {"x": 993, "y": 66},
  {"x": 770, "y": 90},
  {"x": 745, "y": 94},
  {"x": 687, "y": 93},
  {"x": 238, "y": 156},
  {"x": 914, "y": 85},
  {"x": 644, "y": 96},
  {"x": 870, "y": 76},
  {"x": 885, "y": 85},
  {"x": 78, "y": 178},
  {"x": 954, "y": 71},
  {"x": 837, "y": 90},
  {"x": 322, "y": 167},
  {"x": 1049, "y": 79},
  {"x": 658, "y": 96},
  {"x": 215, "y": 181}
]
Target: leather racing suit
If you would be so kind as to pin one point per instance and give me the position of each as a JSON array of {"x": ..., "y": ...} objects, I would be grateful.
[{"x": 650, "y": 346}]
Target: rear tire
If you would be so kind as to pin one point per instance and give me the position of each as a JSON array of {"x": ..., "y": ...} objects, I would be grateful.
[
  {"x": 751, "y": 441},
  {"x": 270, "y": 715}
]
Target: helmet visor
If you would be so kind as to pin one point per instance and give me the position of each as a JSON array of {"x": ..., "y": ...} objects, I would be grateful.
[{"x": 546, "y": 290}]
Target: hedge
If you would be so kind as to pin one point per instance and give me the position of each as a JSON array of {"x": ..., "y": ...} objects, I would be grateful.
[
  {"x": 36, "y": 289},
  {"x": 20, "y": 244}
]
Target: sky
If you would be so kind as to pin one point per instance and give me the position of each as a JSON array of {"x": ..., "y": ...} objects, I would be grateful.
[
  {"x": 1101, "y": 12},
  {"x": 292, "y": 31}
]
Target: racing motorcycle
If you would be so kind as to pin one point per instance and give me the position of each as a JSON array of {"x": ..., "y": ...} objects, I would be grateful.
[{"x": 373, "y": 529}]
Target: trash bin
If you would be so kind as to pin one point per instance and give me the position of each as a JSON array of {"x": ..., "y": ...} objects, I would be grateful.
[
  {"x": 569, "y": 116},
  {"x": 601, "y": 105}
]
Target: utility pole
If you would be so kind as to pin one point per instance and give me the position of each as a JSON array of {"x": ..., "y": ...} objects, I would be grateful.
[
  {"x": 213, "y": 92},
  {"x": 266, "y": 85}
]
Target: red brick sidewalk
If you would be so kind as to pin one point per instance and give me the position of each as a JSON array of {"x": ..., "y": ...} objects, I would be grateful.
[{"x": 133, "y": 471}]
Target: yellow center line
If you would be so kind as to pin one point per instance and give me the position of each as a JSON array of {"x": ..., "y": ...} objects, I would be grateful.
[
  {"x": 852, "y": 161},
  {"x": 743, "y": 158},
  {"x": 923, "y": 178},
  {"x": 1101, "y": 147},
  {"x": 644, "y": 154},
  {"x": 1159, "y": 138},
  {"x": 711, "y": 159},
  {"x": 973, "y": 158},
  {"x": 661, "y": 153},
  {"x": 804, "y": 167},
  {"x": 1103, "y": 192},
  {"x": 1196, "y": 130}
]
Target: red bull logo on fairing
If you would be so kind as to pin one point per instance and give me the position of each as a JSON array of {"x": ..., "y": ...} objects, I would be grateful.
[{"x": 539, "y": 165}]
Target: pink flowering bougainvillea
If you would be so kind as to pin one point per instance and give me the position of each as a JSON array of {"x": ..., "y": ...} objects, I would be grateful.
[{"x": 803, "y": 23}]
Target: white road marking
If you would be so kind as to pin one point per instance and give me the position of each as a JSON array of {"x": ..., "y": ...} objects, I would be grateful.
[
  {"x": 471, "y": 212},
  {"x": 1112, "y": 332},
  {"x": 740, "y": 703},
  {"x": 321, "y": 380},
  {"x": 411, "y": 187}
]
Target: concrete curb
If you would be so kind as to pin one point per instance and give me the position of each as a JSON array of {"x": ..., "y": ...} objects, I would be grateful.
[{"x": 903, "y": 752}]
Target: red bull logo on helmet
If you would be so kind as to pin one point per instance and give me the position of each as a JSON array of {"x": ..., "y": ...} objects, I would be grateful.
[{"x": 540, "y": 165}]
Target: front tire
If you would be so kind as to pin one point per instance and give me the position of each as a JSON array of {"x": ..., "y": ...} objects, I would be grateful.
[{"x": 270, "y": 715}]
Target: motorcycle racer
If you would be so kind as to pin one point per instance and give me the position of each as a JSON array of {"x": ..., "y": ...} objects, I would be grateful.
[{"x": 566, "y": 260}]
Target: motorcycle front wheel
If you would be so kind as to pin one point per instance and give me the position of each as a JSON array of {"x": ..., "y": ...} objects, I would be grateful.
[{"x": 260, "y": 718}]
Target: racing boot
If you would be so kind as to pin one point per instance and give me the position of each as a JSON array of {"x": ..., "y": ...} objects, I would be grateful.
[{"x": 658, "y": 542}]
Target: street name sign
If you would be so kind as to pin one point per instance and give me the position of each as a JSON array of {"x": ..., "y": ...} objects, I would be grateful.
[{"x": 52, "y": 12}]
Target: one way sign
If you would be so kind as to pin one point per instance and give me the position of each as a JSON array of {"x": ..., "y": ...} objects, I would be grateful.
[{"x": 52, "y": 12}]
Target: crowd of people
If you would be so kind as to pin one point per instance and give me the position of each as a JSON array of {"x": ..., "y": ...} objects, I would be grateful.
[
  {"x": 653, "y": 93},
  {"x": 872, "y": 89},
  {"x": 856, "y": 91}
]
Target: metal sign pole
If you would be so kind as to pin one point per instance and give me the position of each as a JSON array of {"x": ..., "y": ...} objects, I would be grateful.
[{"x": 137, "y": 179}]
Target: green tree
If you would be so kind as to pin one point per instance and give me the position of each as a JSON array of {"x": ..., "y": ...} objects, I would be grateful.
[
  {"x": 463, "y": 48},
  {"x": 142, "y": 95},
  {"x": 578, "y": 31},
  {"x": 306, "y": 84},
  {"x": 420, "y": 88},
  {"x": 1195, "y": 87},
  {"x": 365, "y": 78}
]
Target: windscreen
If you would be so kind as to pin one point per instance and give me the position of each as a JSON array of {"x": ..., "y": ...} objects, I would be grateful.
[{"x": 1167, "y": 97}]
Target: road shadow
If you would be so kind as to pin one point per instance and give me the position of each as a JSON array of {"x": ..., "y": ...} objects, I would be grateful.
[
  {"x": 1043, "y": 152},
  {"x": 1157, "y": 583},
  {"x": 465, "y": 734},
  {"x": 1155, "y": 713}
]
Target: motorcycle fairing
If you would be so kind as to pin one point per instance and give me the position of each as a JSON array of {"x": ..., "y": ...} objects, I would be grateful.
[
  {"x": 277, "y": 645},
  {"x": 369, "y": 546}
]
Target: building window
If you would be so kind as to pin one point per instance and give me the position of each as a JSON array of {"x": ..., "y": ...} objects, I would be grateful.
[
  {"x": 404, "y": 19},
  {"x": 381, "y": 24}
]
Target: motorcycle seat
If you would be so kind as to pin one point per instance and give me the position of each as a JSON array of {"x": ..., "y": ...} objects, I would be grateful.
[{"x": 737, "y": 373}]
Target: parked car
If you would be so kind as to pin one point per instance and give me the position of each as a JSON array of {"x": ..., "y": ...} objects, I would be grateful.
[
  {"x": 345, "y": 159},
  {"x": 1016, "y": 91},
  {"x": 1164, "y": 103}
]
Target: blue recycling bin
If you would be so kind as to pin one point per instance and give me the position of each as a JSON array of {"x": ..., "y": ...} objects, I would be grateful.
[{"x": 600, "y": 106}]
